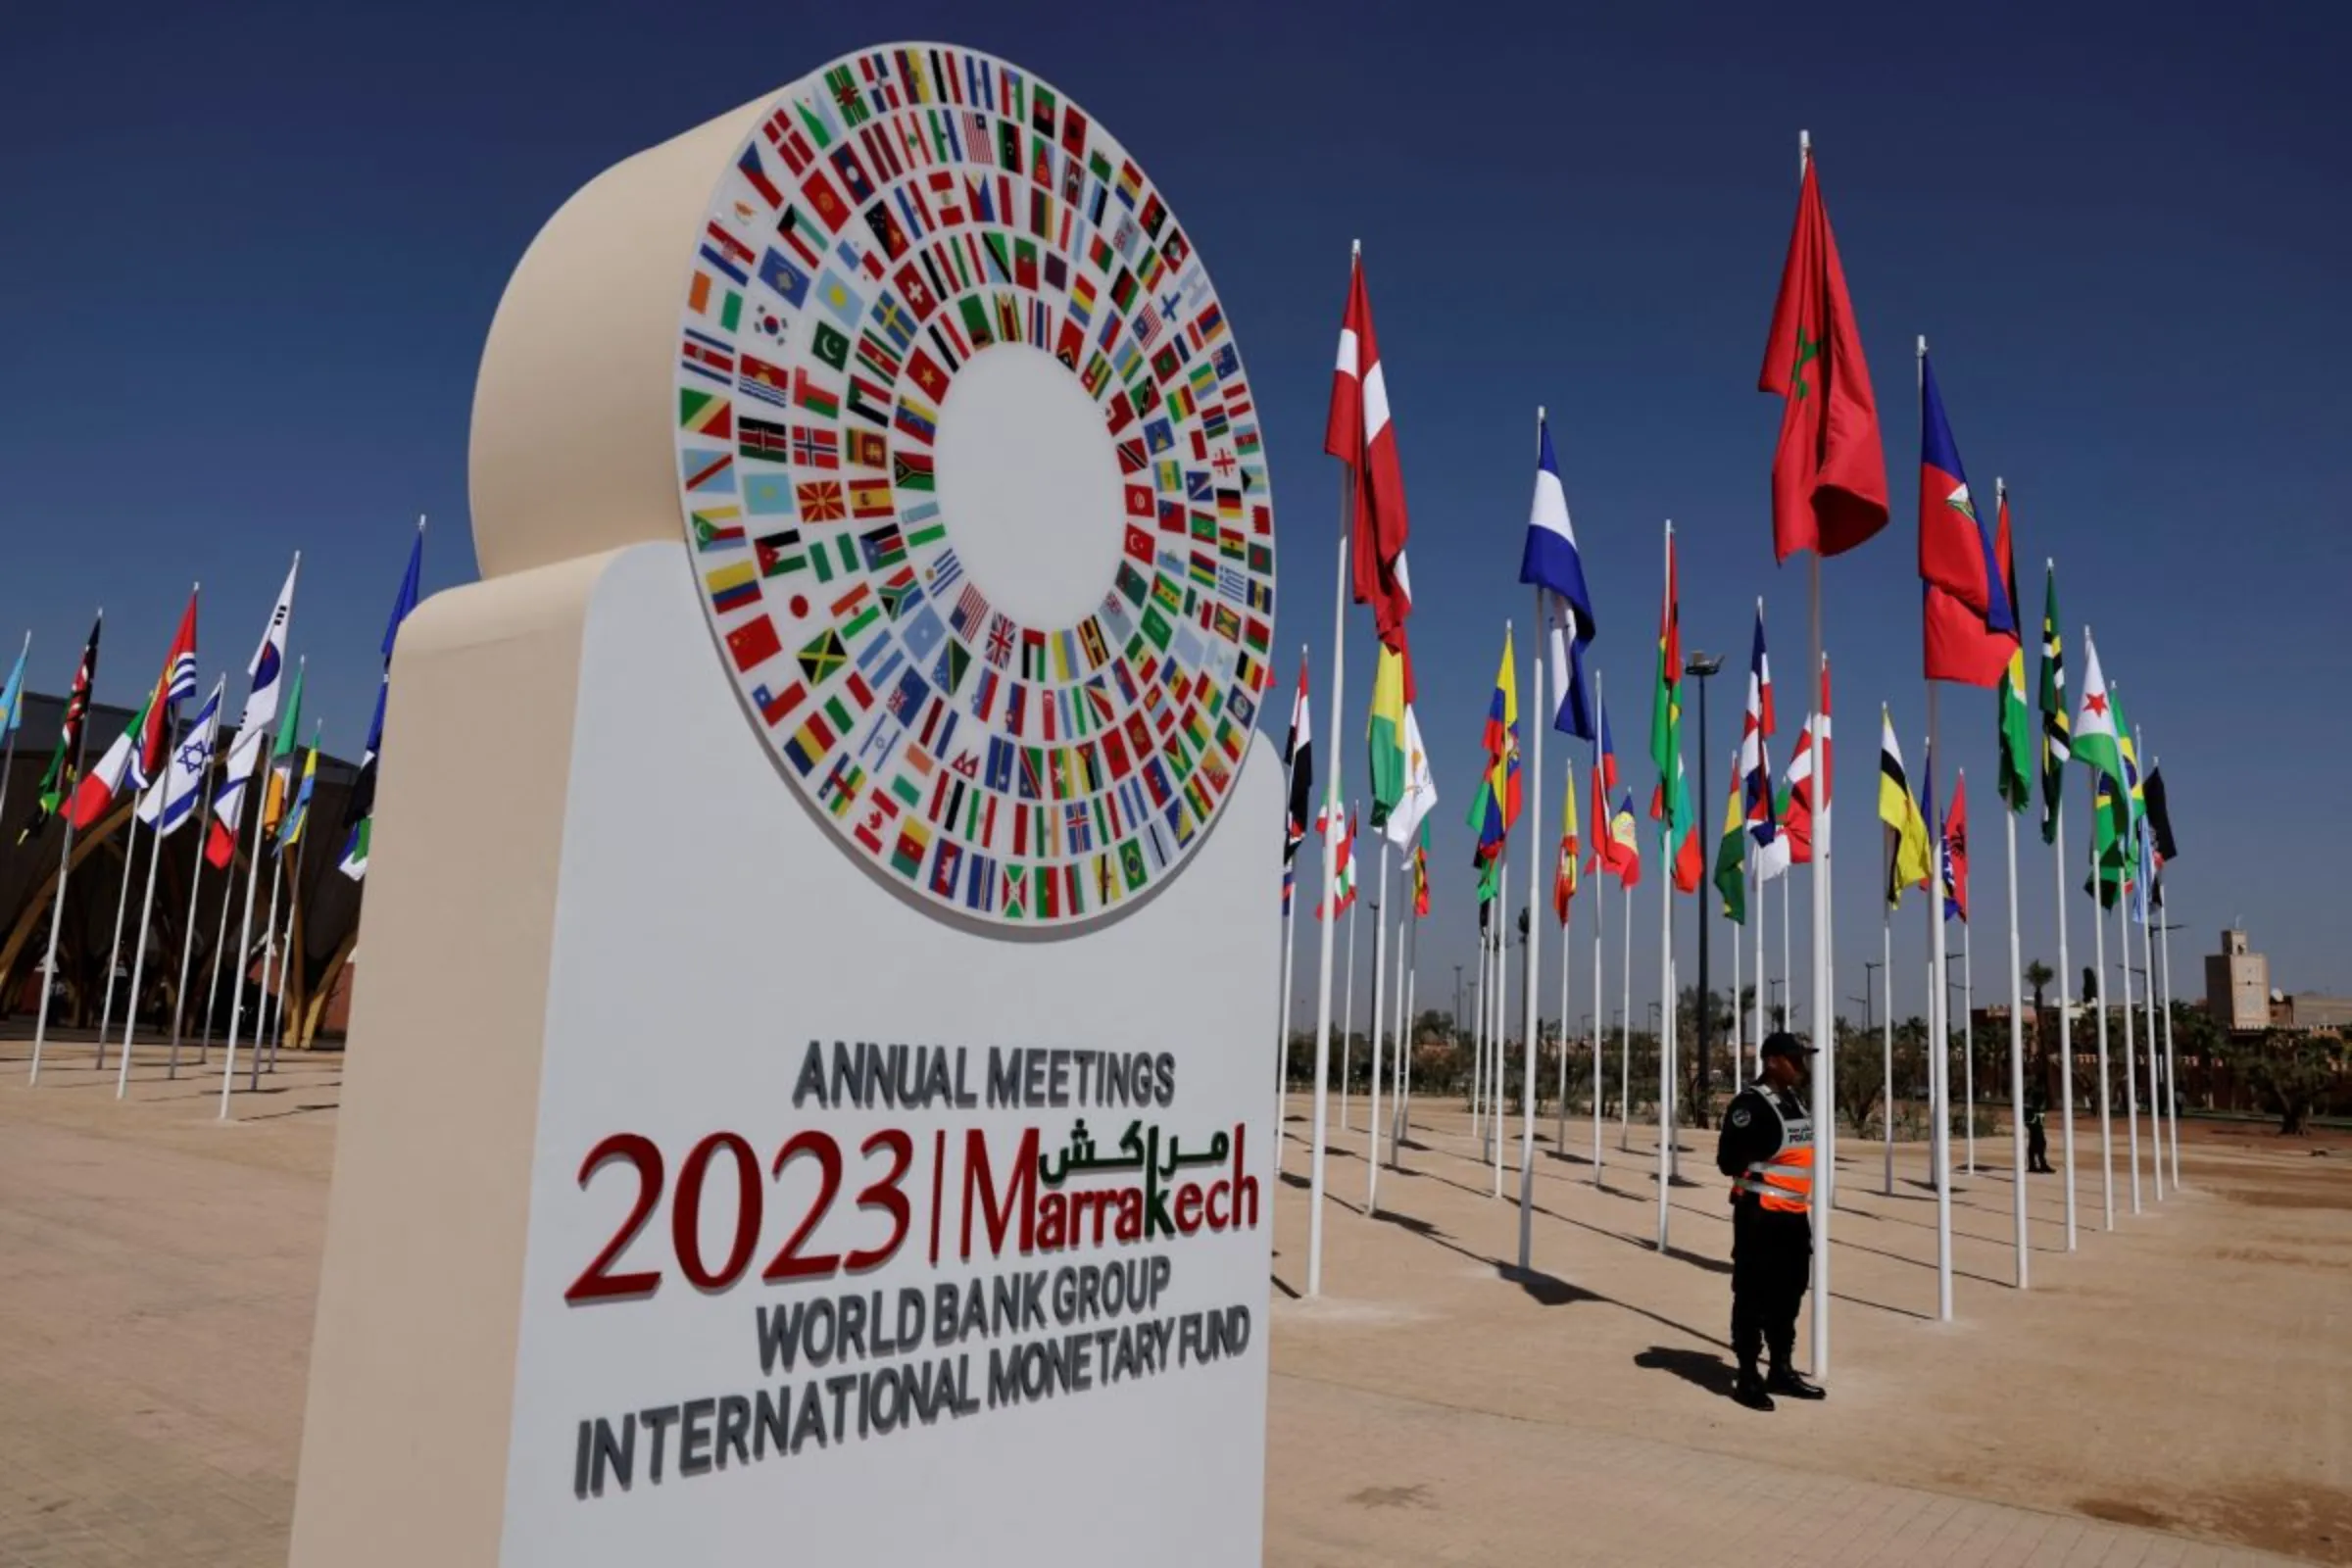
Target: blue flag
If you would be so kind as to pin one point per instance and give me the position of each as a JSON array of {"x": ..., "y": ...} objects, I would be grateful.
[{"x": 1552, "y": 562}]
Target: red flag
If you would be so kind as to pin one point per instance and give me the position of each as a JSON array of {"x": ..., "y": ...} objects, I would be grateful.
[
  {"x": 1828, "y": 472},
  {"x": 177, "y": 680},
  {"x": 1960, "y": 646},
  {"x": 1955, "y": 853},
  {"x": 1360, "y": 434}
]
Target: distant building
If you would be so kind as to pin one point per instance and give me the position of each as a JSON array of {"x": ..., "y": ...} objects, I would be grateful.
[
  {"x": 2238, "y": 985},
  {"x": 2310, "y": 1010}
]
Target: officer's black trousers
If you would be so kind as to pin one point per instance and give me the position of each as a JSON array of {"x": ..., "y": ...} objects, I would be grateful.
[
  {"x": 2037, "y": 1149},
  {"x": 1772, "y": 1261}
]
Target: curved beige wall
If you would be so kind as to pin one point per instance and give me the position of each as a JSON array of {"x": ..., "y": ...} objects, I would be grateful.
[{"x": 594, "y": 309}]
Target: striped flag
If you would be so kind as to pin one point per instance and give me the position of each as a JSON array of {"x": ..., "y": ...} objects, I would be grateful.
[
  {"x": 265, "y": 682},
  {"x": 1756, "y": 727},
  {"x": 359, "y": 813},
  {"x": 1552, "y": 562},
  {"x": 1357, "y": 431}
]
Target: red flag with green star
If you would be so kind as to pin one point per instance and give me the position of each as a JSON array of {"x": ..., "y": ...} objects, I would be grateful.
[{"x": 1828, "y": 472}]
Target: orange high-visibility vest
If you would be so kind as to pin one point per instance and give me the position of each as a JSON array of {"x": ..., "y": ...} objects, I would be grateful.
[{"x": 1782, "y": 1184}]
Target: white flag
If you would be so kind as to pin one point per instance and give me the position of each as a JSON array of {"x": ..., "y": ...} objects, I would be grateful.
[
  {"x": 269, "y": 666},
  {"x": 1420, "y": 790},
  {"x": 173, "y": 797}
]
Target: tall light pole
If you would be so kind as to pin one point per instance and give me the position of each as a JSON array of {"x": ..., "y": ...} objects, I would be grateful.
[{"x": 1699, "y": 666}]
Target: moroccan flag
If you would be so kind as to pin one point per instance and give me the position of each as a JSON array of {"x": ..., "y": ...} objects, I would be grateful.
[
  {"x": 1829, "y": 473},
  {"x": 1954, "y": 852},
  {"x": 1731, "y": 856},
  {"x": 2057, "y": 725},
  {"x": 1906, "y": 833},
  {"x": 58, "y": 778},
  {"x": 1671, "y": 805},
  {"x": 1386, "y": 735},
  {"x": 1358, "y": 433},
  {"x": 1970, "y": 624},
  {"x": 1563, "y": 875}
]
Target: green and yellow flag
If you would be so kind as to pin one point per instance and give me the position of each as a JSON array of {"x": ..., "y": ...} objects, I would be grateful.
[{"x": 1908, "y": 863}]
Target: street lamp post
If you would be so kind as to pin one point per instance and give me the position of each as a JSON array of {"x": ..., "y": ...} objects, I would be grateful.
[{"x": 1698, "y": 668}]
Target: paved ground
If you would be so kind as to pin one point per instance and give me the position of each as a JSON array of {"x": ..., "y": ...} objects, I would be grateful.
[{"x": 2174, "y": 1393}]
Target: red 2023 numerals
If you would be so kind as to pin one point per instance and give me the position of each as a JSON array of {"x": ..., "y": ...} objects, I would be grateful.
[{"x": 598, "y": 1282}]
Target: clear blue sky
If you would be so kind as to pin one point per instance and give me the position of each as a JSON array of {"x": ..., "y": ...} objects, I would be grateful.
[{"x": 250, "y": 261}]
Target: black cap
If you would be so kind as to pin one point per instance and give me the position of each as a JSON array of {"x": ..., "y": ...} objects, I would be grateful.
[{"x": 1785, "y": 1044}]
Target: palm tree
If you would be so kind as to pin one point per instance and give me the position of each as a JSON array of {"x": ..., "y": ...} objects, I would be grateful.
[{"x": 2038, "y": 975}]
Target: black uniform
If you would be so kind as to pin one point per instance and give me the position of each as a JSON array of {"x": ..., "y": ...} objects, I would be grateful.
[
  {"x": 1771, "y": 1250},
  {"x": 2038, "y": 1147}
]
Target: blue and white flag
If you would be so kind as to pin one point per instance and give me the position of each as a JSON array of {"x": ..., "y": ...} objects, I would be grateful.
[
  {"x": 1552, "y": 565},
  {"x": 175, "y": 796}
]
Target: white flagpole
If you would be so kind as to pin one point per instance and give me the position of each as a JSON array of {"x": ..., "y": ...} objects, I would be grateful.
[
  {"x": 1886, "y": 1030},
  {"x": 1602, "y": 834},
  {"x": 1380, "y": 978},
  {"x": 261, "y": 1007},
  {"x": 292, "y": 955},
  {"x": 236, "y": 983},
  {"x": 1968, "y": 1028},
  {"x": 1503, "y": 966},
  {"x": 1410, "y": 943},
  {"x": 2066, "y": 1031},
  {"x": 2147, "y": 958},
  {"x": 114, "y": 947},
  {"x": 1739, "y": 1014},
  {"x": 2017, "y": 1065},
  {"x": 187, "y": 939},
  {"x": 1938, "y": 1005},
  {"x": 1478, "y": 1030},
  {"x": 1347, "y": 1003},
  {"x": 211, "y": 993},
  {"x": 2098, "y": 928},
  {"x": 1666, "y": 848},
  {"x": 1763, "y": 1019},
  {"x": 1559, "y": 1131},
  {"x": 1290, "y": 947},
  {"x": 1825, "y": 958},
  {"x": 1331, "y": 857},
  {"x": 2172, "y": 1064},
  {"x": 1822, "y": 1091},
  {"x": 1624, "y": 1030},
  {"x": 138, "y": 958},
  {"x": 2123, "y": 964},
  {"x": 1532, "y": 962},
  {"x": 65, "y": 867}
]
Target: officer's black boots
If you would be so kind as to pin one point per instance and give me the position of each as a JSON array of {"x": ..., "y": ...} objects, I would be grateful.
[
  {"x": 1785, "y": 1379},
  {"x": 1749, "y": 1390}
]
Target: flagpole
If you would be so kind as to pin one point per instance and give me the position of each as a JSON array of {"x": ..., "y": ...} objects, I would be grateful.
[
  {"x": 2099, "y": 929},
  {"x": 1533, "y": 965},
  {"x": 211, "y": 992},
  {"x": 1739, "y": 1012},
  {"x": 1348, "y": 1003},
  {"x": 1559, "y": 1131},
  {"x": 1666, "y": 856},
  {"x": 2066, "y": 1031},
  {"x": 293, "y": 955},
  {"x": 2123, "y": 964},
  {"x": 1822, "y": 1086},
  {"x": 1602, "y": 834},
  {"x": 1290, "y": 948},
  {"x": 2147, "y": 958},
  {"x": 162, "y": 786},
  {"x": 261, "y": 1006},
  {"x": 1624, "y": 1030},
  {"x": 1887, "y": 1023},
  {"x": 1502, "y": 968},
  {"x": 64, "y": 864},
  {"x": 1939, "y": 1075},
  {"x": 1380, "y": 978},
  {"x": 1968, "y": 1009},
  {"x": 1409, "y": 960},
  {"x": 2017, "y": 1066},
  {"x": 1763, "y": 985},
  {"x": 187, "y": 943},
  {"x": 1331, "y": 853},
  {"x": 236, "y": 991},
  {"x": 2171, "y": 1066},
  {"x": 114, "y": 950}
]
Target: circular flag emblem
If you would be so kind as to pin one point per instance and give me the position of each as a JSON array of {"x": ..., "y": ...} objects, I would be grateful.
[{"x": 971, "y": 473}]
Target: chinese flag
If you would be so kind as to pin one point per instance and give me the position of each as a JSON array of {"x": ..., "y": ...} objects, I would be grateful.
[{"x": 1829, "y": 474}]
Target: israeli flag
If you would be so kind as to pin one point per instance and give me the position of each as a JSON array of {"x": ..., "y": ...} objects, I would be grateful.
[
  {"x": 1552, "y": 565},
  {"x": 176, "y": 795}
]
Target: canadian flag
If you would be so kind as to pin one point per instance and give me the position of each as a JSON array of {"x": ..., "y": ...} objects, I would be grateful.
[{"x": 1360, "y": 434}]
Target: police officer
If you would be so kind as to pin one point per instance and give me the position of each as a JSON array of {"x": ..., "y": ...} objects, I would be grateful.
[
  {"x": 2037, "y": 1149},
  {"x": 1766, "y": 1148}
]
